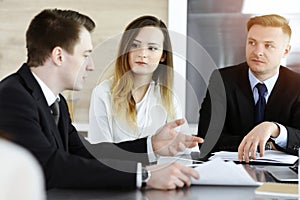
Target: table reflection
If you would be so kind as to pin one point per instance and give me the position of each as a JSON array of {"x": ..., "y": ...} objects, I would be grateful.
[{"x": 258, "y": 173}]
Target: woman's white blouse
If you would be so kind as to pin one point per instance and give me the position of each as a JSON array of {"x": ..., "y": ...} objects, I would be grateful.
[{"x": 106, "y": 126}]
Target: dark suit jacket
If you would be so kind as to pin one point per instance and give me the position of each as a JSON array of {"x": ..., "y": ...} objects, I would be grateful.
[
  {"x": 26, "y": 117},
  {"x": 234, "y": 107}
]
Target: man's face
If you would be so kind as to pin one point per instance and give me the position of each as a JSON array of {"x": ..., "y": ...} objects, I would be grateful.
[
  {"x": 265, "y": 48},
  {"x": 79, "y": 63}
]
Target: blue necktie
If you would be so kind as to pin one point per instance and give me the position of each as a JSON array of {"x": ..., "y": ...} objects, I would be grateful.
[{"x": 261, "y": 103}]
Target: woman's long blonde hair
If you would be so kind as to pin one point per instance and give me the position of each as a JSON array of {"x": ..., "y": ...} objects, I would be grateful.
[{"x": 123, "y": 101}]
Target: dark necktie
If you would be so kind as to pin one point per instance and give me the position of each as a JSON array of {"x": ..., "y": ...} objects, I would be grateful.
[
  {"x": 55, "y": 111},
  {"x": 261, "y": 103}
]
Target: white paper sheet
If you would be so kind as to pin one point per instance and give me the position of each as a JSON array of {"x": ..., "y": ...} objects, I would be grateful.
[
  {"x": 271, "y": 156},
  {"x": 219, "y": 172}
]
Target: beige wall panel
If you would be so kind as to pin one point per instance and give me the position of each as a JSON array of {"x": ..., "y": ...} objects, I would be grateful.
[{"x": 111, "y": 17}]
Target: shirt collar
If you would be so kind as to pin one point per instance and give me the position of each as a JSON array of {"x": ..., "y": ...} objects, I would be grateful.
[
  {"x": 269, "y": 82},
  {"x": 49, "y": 95}
]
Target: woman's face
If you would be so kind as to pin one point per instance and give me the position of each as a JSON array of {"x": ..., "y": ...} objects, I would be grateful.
[{"x": 146, "y": 51}]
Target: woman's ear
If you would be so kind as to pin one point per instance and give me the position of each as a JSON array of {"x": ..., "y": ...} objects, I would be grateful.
[
  {"x": 163, "y": 57},
  {"x": 57, "y": 55}
]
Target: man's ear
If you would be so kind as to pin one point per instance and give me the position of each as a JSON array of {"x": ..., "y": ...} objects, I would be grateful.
[
  {"x": 57, "y": 55},
  {"x": 287, "y": 50}
]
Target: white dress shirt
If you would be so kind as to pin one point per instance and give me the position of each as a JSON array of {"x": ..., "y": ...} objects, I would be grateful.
[
  {"x": 281, "y": 140},
  {"x": 49, "y": 95}
]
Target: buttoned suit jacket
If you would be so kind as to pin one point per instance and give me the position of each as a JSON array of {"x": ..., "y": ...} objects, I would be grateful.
[
  {"x": 26, "y": 117},
  {"x": 236, "y": 105}
]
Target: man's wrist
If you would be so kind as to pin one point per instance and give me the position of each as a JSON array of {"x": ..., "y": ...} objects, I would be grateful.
[
  {"x": 277, "y": 132},
  {"x": 281, "y": 138},
  {"x": 146, "y": 174}
]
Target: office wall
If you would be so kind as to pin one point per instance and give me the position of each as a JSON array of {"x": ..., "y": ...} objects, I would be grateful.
[{"x": 111, "y": 17}]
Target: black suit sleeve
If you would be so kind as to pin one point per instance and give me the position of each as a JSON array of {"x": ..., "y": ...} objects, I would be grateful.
[
  {"x": 212, "y": 113},
  {"x": 27, "y": 120},
  {"x": 135, "y": 150},
  {"x": 293, "y": 143},
  {"x": 293, "y": 127}
]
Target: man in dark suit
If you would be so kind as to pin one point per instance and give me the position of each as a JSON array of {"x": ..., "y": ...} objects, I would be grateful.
[
  {"x": 59, "y": 57},
  {"x": 233, "y": 96}
]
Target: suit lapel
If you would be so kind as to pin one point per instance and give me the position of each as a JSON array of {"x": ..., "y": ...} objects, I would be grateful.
[
  {"x": 244, "y": 98},
  {"x": 37, "y": 93},
  {"x": 53, "y": 128},
  {"x": 279, "y": 91}
]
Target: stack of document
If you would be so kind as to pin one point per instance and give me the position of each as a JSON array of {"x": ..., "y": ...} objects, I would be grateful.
[
  {"x": 270, "y": 156},
  {"x": 219, "y": 172},
  {"x": 278, "y": 189}
]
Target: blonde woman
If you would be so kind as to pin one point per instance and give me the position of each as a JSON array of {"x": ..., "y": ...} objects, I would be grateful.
[{"x": 138, "y": 99}]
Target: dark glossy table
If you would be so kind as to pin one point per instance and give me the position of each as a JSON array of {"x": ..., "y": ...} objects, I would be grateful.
[{"x": 192, "y": 193}]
